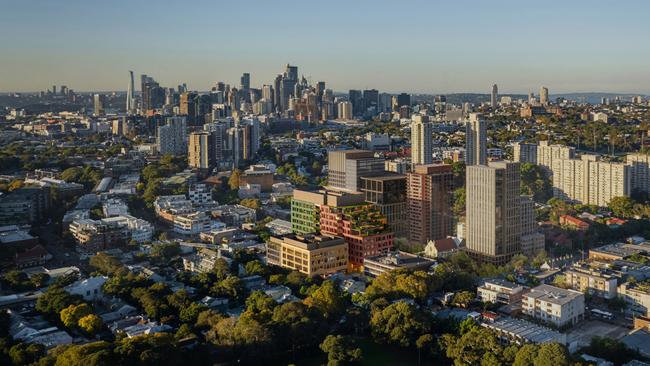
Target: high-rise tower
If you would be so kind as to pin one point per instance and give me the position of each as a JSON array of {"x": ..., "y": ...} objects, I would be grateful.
[
  {"x": 130, "y": 100},
  {"x": 476, "y": 140},
  {"x": 421, "y": 140},
  {"x": 493, "y": 97}
]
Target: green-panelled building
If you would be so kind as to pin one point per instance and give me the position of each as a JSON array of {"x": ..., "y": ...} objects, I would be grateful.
[{"x": 305, "y": 217}]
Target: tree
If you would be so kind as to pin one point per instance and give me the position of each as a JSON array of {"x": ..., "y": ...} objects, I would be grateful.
[
  {"x": 252, "y": 203},
  {"x": 71, "y": 315},
  {"x": 526, "y": 355},
  {"x": 424, "y": 342},
  {"x": 300, "y": 325},
  {"x": 552, "y": 354},
  {"x": 15, "y": 185},
  {"x": 400, "y": 323},
  {"x": 260, "y": 305},
  {"x": 90, "y": 324},
  {"x": 622, "y": 206},
  {"x": 106, "y": 264},
  {"x": 340, "y": 350},
  {"x": 89, "y": 354},
  {"x": 256, "y": 267},
  {"x": 54, "y": 300},
  {"x": 459, "y": 201},
  {"x": 221, "y": 268},
  {"x": 611, "y": 350},
  {"x": 233, "y": 180},
  {"x": 463, "y": 298},
  {"x": 470, "y": 348},
  {"x": 328, "y": 299},
  {"x": 231, "y": 287},
  {"x": 25, "y": 354}
]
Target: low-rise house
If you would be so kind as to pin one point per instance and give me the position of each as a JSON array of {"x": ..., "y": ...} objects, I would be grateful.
[
  {"x": 497, "y": 290},
  {"x": 214, "y": 303},
  {"x": 35, "y": 256},
  {"x": 554, "y": 305},
  {"x": 90, "y": 289},
  {"x": 574, "y": 222}
]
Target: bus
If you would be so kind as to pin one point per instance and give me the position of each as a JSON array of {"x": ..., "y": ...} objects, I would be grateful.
[{"x": 602, "y": 314}]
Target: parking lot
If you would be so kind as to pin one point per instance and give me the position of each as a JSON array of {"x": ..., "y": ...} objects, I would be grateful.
[{"x": 583, "y": 332}]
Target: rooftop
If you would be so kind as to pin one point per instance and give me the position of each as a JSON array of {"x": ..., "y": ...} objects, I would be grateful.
[{"x": 554, "y": 295}]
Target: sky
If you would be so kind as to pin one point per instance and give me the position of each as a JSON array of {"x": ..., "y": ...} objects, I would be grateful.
[{"x": 394, "y": 46}]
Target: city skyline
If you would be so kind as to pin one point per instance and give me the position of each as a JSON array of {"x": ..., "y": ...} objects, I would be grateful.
[{"x": 580, "y": 47}]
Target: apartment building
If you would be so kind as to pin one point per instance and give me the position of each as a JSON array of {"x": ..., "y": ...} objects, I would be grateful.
[
  {"x": 497, "y": 290},
  {"x": 313, "y": 255},
  {"x": 596, "y": 281},
  {"x": 388, "y": 193},
  {"x": 429, "y": 196},
  {"x": 637, "y": 297},
  {"x": 192, "y": 223},
  {"x": 554, "y": 305}
]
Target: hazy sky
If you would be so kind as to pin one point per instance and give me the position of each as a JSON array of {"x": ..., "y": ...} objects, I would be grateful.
[{"x": 398, "y": 45}]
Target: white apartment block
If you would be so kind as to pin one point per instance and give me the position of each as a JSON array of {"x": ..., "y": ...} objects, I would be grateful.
[
  {"x": 499, "y": 291},
  {"x": 590, "y": 181},
  {"x": 640, "y": 166},
  {"x": 637, "y": 297},
  {"x": 192, "y": 224},
  {"x": 141, "y": 230},
  {"x": 114, "y": 207},
  {"x": 554, "y": 305}
]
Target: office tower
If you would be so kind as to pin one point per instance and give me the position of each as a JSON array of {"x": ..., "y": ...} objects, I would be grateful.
[
  {"x": 153, "y": 96},
  {"x": 524, "y": 153},
  {"x": 347, "y": 167},
  {"x": 277, "y": 92},
  {"x": 218, "y": 130},
  {"x": 356, "y": 98},
  {"x": 371, "y": 100},
  {"x": 201, "y": 150},
  {"x": 429, "y": 196},
  {"x": 244, "y": 140},
  {"x": 476, "y": 140},
  {"x": 385, "y": 102},
  {"x": 543, "y": 95},
  {"x": 344, "y": 110},
  {"x": 531, "y": 99},
  {"x": 268, "y": 93},
  {"x": 64, "y": 90},
  {"x": 189, "y": 106},
  {"x": 402, "y": 99},
  {"x": 388, "y": 193},
  {"x": 494, "y": 96},
  {"x": 320, "y": 90},
  {"x": 98, "y": 104},
  {"x": 53, "y": 89},
  {"x": 421, "y": 140},
  {"x": 130, "y": 95},
  {"x": 245, "y": 81},
  {"x": 291, "y": 72},
  {"x": 493, "y": 222},
  {"x": 171, "y": 138}
]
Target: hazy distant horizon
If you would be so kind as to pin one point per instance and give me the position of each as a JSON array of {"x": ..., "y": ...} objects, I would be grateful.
[{"x": 412, "y": 46}]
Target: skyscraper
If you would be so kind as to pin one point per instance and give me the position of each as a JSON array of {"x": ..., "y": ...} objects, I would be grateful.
[
  {"x": 130, "y": 95},
  {"x": 153, "y": 96},
  {"x": 371, "y": 100},
  {"x": 476, "y": 140},
  {"x": 98, "y": 104},
  {"x": 356, "y": 98},
  {"x": 245, "y": 81},
  {"x": 402, "y": 99},
  {"x": 201, "y": 150},
  {"x": 543, "y": 95},
  {"x": 429, "y": 196},
  {"x": 493, "y": 97},
  {"x": 347, "y": 167},
  {"x": 421, "y": 140},
  {"x": 493, "y": 215}
]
